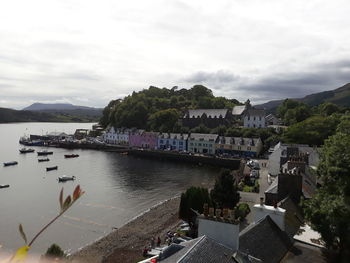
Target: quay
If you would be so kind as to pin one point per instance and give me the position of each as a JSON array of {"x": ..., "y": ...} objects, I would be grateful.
[
  {"x": 232, "y": 163},
  {"x": 157, "y": 154}
]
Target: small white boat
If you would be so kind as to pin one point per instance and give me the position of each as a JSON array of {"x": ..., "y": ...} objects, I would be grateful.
[{"x": 65, "y": 178}]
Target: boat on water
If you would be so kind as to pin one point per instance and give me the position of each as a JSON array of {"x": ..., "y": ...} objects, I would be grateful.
[
  {"x": 44, "y": 153},
  {"x": 4, "y": 185},
  {"x": 51, "y": 168},
  {"x": 26, "y": 150},
  {"x": 43, "y": 160},
  {"x": 65, "y": 178},
  {"x": 10, "y": 163},
  {"x": 71, "y": 155}
]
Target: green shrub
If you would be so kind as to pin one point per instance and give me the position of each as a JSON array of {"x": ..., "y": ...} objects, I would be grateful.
[
  {"x": 54, "y": 251},
  {"x": 241, "y": 211}
]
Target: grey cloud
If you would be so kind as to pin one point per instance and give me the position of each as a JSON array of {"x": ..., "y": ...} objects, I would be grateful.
[
  {"x": 320, "y": 77},
  {"x": 81, "y": 76},
  {"x": 220, "y": 76}
]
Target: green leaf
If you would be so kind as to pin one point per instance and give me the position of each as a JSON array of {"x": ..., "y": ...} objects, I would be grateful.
[{"x": 22, "y": 233}]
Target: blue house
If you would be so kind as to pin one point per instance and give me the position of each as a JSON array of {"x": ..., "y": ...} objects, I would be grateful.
[{"x": 172, "y": 141}]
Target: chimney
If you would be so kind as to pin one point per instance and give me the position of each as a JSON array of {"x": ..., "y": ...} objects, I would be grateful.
[
  {"x": 218, "y": 213},
  {"x": 261, "y": 201},
  {"x": 225, "y": 213},
  {"x": 205, "y": 209},
  {"x": 211, "y": 211}
]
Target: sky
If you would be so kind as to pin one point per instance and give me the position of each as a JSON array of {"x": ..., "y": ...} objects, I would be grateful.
[{"x": 88, "y": 52}]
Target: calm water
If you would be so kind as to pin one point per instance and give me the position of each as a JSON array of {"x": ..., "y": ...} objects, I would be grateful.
[{"x": 117, "y": 187}]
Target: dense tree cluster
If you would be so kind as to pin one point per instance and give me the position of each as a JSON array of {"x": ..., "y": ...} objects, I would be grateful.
[
  {"x": 329, "y": 210},
  {"x": 223, "y": 195},
  {"x": 160, "y": 108}
]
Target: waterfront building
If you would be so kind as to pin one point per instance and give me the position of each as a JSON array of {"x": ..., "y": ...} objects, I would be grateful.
[
  {"x": 172, "y": 141},
  {"x": 238, "y": 146},
  {"x": 122, "y": 136},
  {"x": 143, "y": 139},
  {"x": 209, "y": 117},
  {"x": 109, "y": 136},
  {"x": 202, "y": 143}
]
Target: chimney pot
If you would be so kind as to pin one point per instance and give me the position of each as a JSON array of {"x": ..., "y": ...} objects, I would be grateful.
[
  {"x": 205, "y": 209},
  {"x": 218, "y": 213},
  {"x": 275, "y": 204},
  {"x": 261, "y": 201},
  {"x": 211, "y": 211}
]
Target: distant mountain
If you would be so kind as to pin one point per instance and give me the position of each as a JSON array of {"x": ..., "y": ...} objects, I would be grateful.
[
  {"x": 339, "y": 96},
  {"x": 66, "y": 109},
  {"x": 10, "y": 115}
]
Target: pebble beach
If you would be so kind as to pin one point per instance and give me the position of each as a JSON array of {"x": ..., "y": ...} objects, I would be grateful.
[{"x": 126, "y": 243}]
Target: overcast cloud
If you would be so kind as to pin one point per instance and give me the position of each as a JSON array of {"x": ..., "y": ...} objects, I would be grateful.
[{"x": 89, "y": 52}]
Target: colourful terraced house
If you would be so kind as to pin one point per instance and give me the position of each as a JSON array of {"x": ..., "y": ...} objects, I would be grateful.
[
  {"x": 172, "y": 141},
  {"x": 143, "y": 139}
]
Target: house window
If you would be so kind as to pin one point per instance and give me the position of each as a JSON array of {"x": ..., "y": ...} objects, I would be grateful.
[
  {"x": 239, "y": 148},
  {"x": 199, "y": 144},
  {"x": 161, "y": 141},
  {"x": 254, "y": 118},
  {"x": 260, "y": 118},
  {"x": 249, "y": 148},
  {"x": 174, "y": 142},
  {"x": 180, "y": 143},
  {"x": 248, "y": 118},
  {"x": 191, "y": 144}
]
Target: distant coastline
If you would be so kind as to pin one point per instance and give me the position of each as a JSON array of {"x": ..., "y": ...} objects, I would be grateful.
[{"x": 15, "y": 116}]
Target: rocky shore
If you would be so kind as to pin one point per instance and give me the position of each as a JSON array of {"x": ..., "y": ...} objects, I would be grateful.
[{"x": 126, "y": 243}]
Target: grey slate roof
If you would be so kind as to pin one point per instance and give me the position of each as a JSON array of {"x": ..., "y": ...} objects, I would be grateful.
[
  {"x": 293, "y": 217},
  {"x": 212, "y": 113},
  {"x": 175, "y": 136},
  {"x": 264, "y": 240},
  {"x": 238, "y": 141},
  {"x": 255, "y": 112},
  {"x": 203, "y": 249},
  {"x": 238, "y": 110},
  {"x": 203, "y": 136},
  {"x": 273, "y": 188}
]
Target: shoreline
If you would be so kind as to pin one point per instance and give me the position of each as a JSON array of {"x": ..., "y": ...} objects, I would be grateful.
[{"x": 126, "y": 243}]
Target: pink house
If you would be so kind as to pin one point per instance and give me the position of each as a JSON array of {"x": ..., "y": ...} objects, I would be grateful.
[{"x": 143, "y": 139}]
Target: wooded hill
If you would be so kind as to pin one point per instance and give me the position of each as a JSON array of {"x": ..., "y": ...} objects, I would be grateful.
[{"x": 160, "y": 108}]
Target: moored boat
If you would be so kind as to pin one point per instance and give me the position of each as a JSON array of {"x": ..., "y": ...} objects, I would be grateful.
[
  {"x": 25, "y": 150},
  {"x": 43, "y": 160},
  {"x": 65, "y": 178},
  {"x": 10, "y": 163},
  {"x": 71, "y": 155},
  {"x": 4, "y": 185},
  {"x": 51, "y": 168},
  {"x": 44, "y": 153}
]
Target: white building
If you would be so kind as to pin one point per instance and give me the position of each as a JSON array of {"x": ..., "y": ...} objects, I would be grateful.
[
  {"x": 254, "y": 118},
  {"x": 119, "y": 136},
  {"x": 110, "y": 136},
  {"x": 281, "y": 153}
]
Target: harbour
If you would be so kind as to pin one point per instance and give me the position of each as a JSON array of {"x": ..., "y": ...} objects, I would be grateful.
[{"x": 118, "y": 187}]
